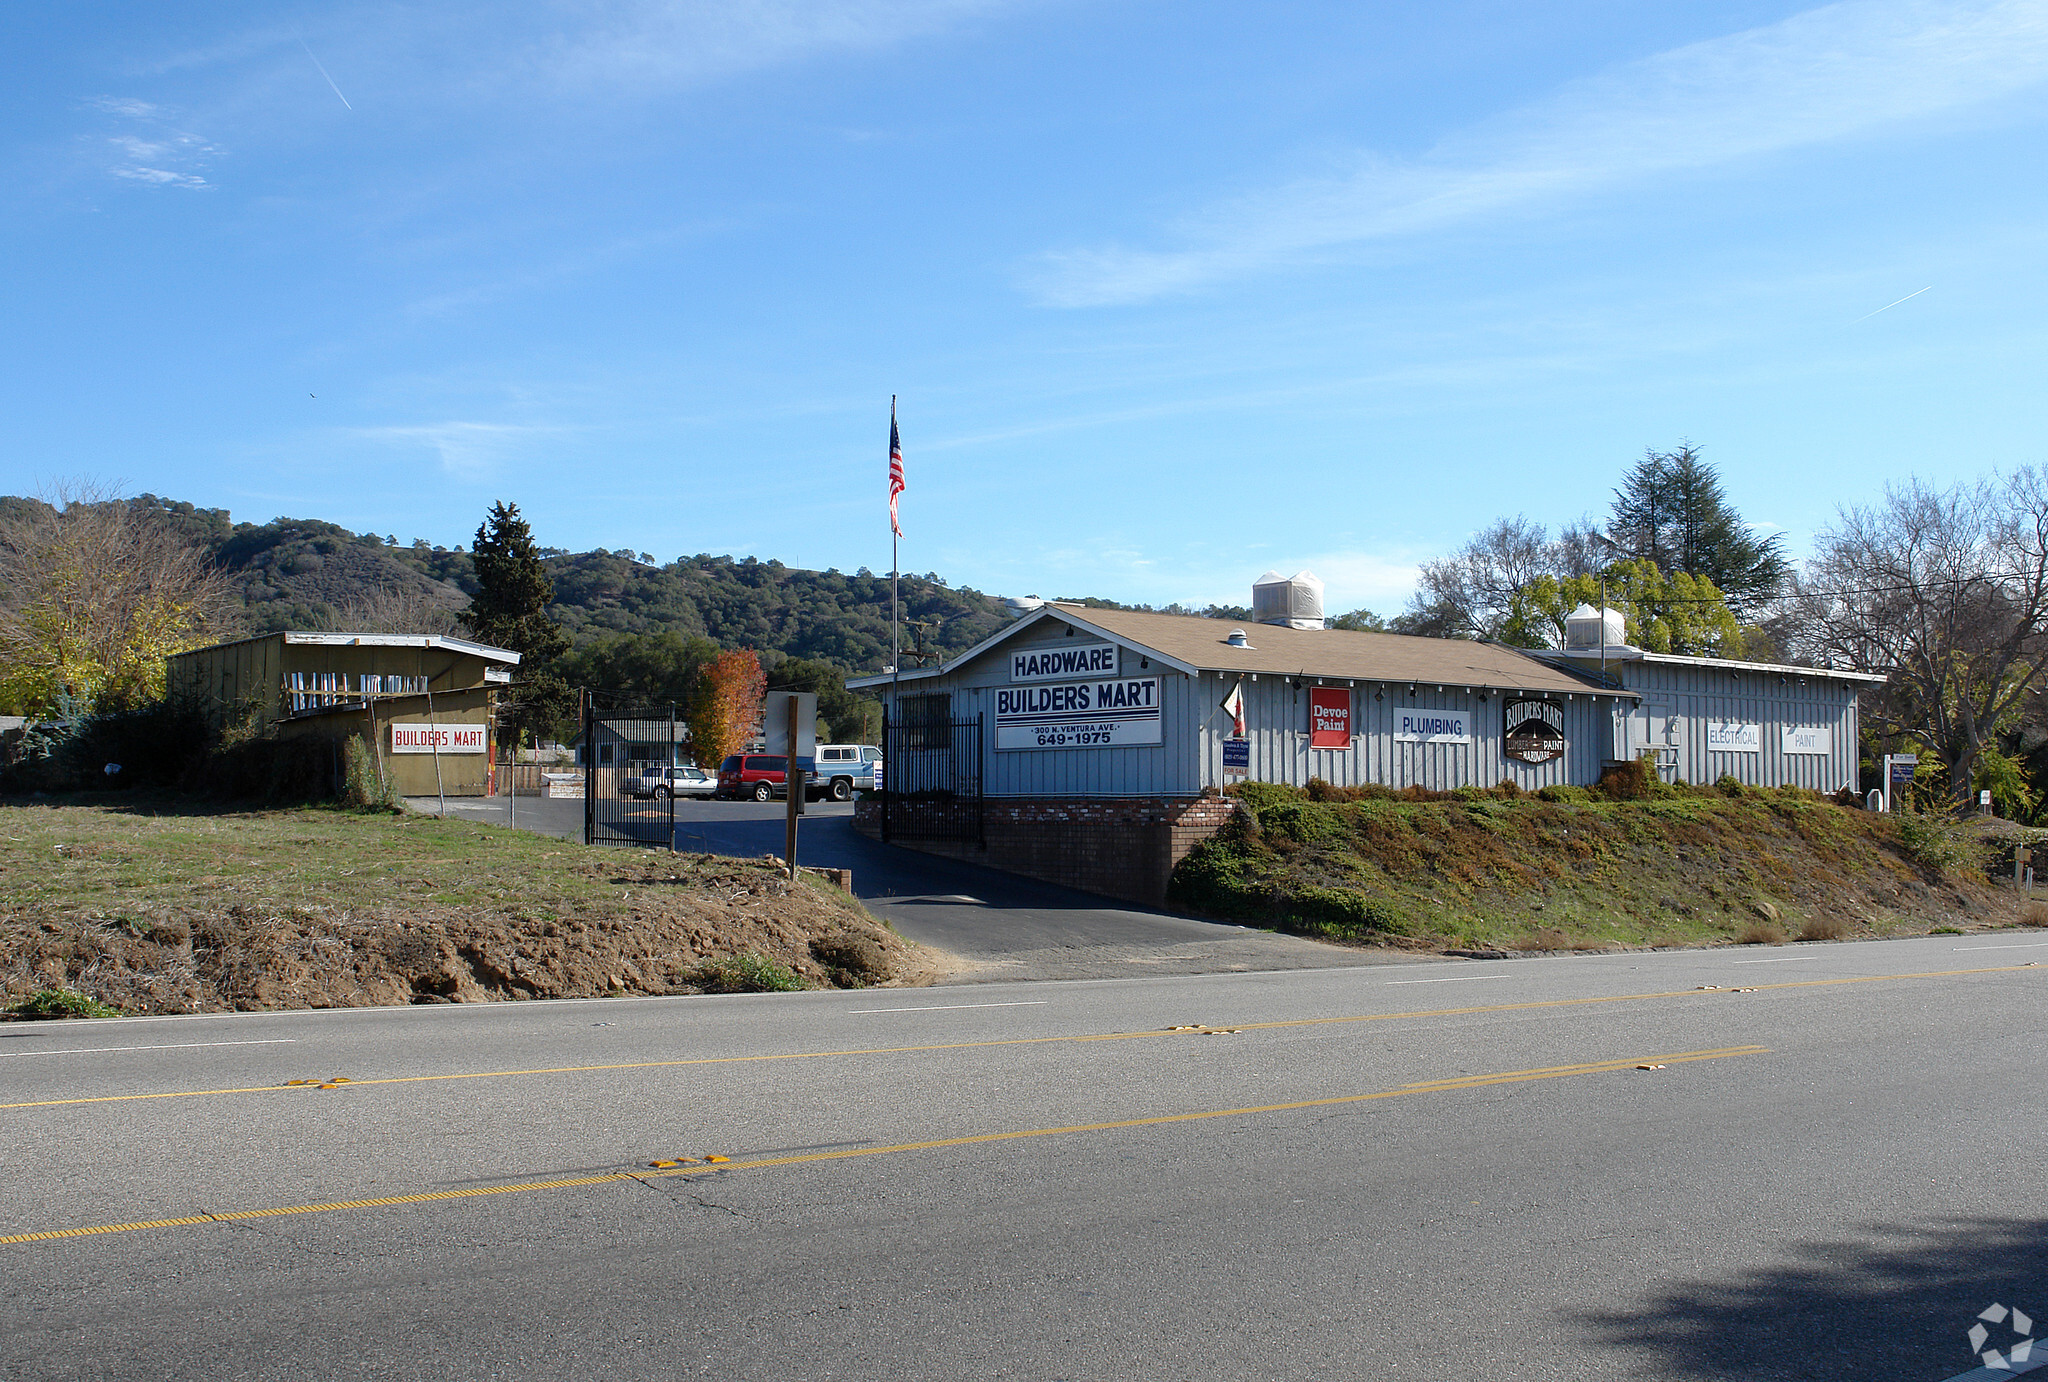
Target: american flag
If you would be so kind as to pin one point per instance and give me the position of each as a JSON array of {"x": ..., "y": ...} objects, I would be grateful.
[{"x": 895, "y": 472}]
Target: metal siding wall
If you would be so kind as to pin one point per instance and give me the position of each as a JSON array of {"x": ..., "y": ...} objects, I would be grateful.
[
  {"x": 1169, "y": 768},
  {"x": 1276, "y": 724},
  {"x": 1699, "y": 694}
]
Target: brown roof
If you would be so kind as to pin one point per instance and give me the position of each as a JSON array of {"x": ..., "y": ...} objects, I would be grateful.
[{"x": 1335, "y": 653}]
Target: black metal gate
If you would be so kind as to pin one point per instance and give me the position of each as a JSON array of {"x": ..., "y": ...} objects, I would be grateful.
[
  {"x": 625, "y": 751},
  {"x": 931, "y": 779}
]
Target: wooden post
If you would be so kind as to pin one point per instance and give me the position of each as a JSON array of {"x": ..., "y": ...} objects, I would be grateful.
[{"x": 792, "y": 790}]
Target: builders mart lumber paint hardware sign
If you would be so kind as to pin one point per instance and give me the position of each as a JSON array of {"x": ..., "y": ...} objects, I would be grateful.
[
  {"x": 437, "y": 738},
  {"x": 1078, "y": 715}
]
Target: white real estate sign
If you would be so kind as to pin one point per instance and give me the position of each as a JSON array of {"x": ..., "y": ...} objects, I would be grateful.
[
  {"x": 1078, "y": 715},
  {"x": 1734, "y": 736},
  {"x": 437, "y": 738}
]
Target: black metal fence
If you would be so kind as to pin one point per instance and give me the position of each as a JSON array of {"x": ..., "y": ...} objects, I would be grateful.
[
  {"x": 931, "y": 778},
  {"x": 624, "y": 752}
]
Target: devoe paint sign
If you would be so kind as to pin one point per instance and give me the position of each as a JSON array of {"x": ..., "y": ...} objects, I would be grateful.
[{"x": 1329, "y": 717}]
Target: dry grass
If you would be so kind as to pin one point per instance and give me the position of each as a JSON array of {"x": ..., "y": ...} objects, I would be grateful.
[
  {"x": 2036, "y": 914},
  {"x": 1825, "y": 928},
  {"x": 1761, "y": 933}
]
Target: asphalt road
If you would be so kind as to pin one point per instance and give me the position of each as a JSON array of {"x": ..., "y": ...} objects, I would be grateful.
[
  {"x": 1443, "y": 1171},
  {"x": 997, "y": 926}
]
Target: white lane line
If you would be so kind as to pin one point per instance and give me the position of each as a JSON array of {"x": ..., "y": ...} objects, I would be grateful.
[
  {"x": 2030, "y": 945},
  {"x": 950, "y": 1007},
  {"x": 1780, "y": 960},
  {"x": 1461, "y": 979},
  {"x": 174, "y": 1046}
]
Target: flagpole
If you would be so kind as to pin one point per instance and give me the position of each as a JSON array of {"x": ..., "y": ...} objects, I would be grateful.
[{"x": 895, "y": 594}]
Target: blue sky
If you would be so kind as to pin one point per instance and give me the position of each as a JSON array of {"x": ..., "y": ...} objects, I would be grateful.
[{"x": 1172, "y": 293}]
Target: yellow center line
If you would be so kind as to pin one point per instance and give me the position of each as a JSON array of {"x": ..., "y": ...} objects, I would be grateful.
[
  {"x": 1553, "y": 1072},
  {"x": 1530, "y": 1006}
]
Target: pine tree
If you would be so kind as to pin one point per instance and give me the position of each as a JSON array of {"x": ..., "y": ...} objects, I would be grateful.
[
  {"x": 1671, "y": 510},
  {"x": 510, "y": 610}
]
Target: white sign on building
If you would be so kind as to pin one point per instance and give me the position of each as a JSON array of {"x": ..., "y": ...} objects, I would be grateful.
[
  {"x": 437, "y": 738},
  {"x": 1809, "y": 739},
  {"x": 1064, "y": 662},
  {"x": 1734, "y": 736},
  {"x": 1432, "y": 727},
  {"x": 1078, "y": 715}
]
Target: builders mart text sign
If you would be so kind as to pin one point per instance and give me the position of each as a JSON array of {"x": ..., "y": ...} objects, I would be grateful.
[
  {"x": 1078, "y": 714},
  {"x": 437, "y": 738}
]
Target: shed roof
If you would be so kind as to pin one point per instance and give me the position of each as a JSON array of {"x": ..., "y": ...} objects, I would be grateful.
[
  {"x": 1193, "y": 643},
  {"x": 373, "y": 640}
]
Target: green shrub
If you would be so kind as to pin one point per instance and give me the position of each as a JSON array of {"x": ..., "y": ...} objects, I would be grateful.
[
  {"x": 1259, "y": 795},
  {"x": 1728, "y": 785},
  {"x": 52, "y": 1003},
  {"x": 747, "y": 972},
  {"x": 1346, "y": 914},
  {"x": 1628, "y": 781},
  {"x": 1935, "y": 843},
  {"x": 364, "y": 783},
  {"x": 1565, "y": 795}
]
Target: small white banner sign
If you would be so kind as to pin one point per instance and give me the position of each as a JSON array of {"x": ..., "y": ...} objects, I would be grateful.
[
  {"x": 1432, "y": 727},
  {"x": 437, "y": 738},
  {"x": 1809, "y": 739},
  {"x": 1078, "y": 715},
  {"x": 1734, "y": 736},
  {"x": 1064, "y": 662}
]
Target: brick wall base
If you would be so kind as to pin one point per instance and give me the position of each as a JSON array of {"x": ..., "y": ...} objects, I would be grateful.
[{"x": 1121, "y": 847}]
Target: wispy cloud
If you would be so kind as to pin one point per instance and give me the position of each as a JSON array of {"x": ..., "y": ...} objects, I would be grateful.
[
  {"x": 1829, "y": 74},
  {"x": 468, "y": 450},
  {"x": 661, "y": 42},
  {"x": 155, "y": 152}
]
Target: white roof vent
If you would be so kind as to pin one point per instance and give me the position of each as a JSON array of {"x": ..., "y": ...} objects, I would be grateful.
[
  {"x": 1294, "y": 602},
  {"x": 1584, "y": 628},
  {"x": 1018, "y": 608},
  {"x": 1237, "y": 639}
]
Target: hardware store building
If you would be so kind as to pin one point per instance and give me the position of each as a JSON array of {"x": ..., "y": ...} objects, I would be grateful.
[{"x": 1095, "y": 740}]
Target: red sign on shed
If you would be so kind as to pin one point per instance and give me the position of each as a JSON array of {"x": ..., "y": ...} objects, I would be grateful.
[{"x": 1329, "y": 717}]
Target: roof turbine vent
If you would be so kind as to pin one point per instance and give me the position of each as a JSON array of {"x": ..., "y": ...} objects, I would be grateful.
[
  {"x": 1586, "y": 629},
  {"x": 1237, "y": 639},
  {"x": 1294, "y": 602}
]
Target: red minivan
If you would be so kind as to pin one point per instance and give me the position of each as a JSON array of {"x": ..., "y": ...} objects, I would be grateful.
[{"x": 760, "y": 776}]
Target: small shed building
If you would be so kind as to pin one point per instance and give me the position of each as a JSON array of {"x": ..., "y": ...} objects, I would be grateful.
[{"x": 423, "y": 702}]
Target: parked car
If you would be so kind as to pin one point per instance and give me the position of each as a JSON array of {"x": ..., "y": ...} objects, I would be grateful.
[
  {"x": 844, "y": 769},
  {"x": 662, "y": 783},
  {"x": 760, "y": 776}
]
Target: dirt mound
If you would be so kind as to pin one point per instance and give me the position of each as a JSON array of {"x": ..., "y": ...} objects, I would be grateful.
[{"x": 668, "y": 924}]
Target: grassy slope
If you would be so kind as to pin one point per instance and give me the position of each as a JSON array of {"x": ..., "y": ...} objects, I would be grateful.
[
  {"x": 1685, "y": 867},
  {"x": 163, "y": 907}
]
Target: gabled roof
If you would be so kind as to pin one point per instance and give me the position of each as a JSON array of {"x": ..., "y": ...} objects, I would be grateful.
[{"x": 1190, "y": 643}]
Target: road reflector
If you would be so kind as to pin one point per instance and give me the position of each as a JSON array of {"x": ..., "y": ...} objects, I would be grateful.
[{"x": 1649, "y": 1067}]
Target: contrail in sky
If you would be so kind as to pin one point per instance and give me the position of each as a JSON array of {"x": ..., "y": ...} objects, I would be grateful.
[
  {"x": 1864, "y": 318},
  {"x": 323, "y": 71}
]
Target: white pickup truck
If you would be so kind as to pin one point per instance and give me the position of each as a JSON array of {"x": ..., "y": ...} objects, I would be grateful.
[{"x": 661, "y": 783}]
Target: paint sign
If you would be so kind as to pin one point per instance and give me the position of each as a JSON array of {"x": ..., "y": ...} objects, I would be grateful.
[
  {"x": 1064, "y": 663},
  {"x": 1237, "y": 757},
  {"x": 1808, "y": 739},
  {"x": 1432, "y": 727},
  {"x": 1329, "y": 717},
  {"x": 1078, "y": 715},
  {"x": 437, "y": 738},
  {"x": 1535, "y": 731},
  {"x": 1734, "y": 736}
]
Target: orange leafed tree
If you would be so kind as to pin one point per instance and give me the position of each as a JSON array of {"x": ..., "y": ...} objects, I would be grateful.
[{"x": 727, "y": 707}]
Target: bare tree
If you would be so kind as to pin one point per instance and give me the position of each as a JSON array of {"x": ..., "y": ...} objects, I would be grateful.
[
  {"x": 95, "y": 592},
  {"x": 1472, "y": 592},
  {"x": 396, "y": 609},
  {"x": 1945, "y": 592}
]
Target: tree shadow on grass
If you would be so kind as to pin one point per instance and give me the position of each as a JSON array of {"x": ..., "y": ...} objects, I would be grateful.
[{"x": 1895, "y": 1303}]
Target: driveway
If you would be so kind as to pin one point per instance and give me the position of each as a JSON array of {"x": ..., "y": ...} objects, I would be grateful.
[{"x": 997, "y": 926}]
